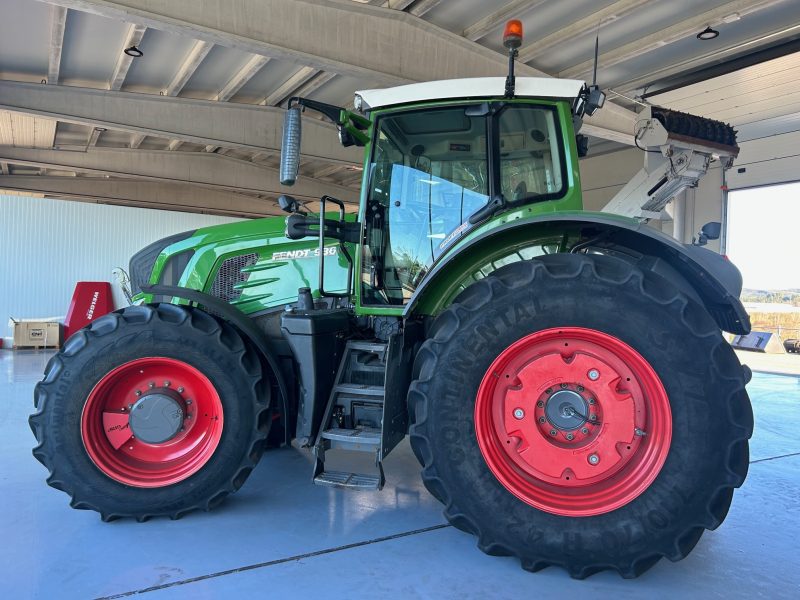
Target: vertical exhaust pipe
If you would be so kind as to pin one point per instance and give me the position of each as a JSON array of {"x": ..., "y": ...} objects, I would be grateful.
[{"x": 290, "y": 148}]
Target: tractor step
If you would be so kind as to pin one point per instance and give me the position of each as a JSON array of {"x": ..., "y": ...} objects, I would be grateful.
[
  {"x": 360, "y": 440},
  {"x": 350, "y": 480},
  {"x": 354, "y": 417},
  {"x": 359, "y": 389}
]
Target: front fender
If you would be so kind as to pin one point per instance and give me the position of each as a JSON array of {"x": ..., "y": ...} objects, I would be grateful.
[
  {"x": 711, "y": 278},
  {"x": 244, "y": 324}
]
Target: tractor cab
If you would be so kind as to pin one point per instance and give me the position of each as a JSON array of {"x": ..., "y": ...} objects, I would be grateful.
[{"x": 443, "y": 159}]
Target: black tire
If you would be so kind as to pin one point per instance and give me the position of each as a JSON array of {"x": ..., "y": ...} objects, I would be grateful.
[
  {"x": 711, "y": 413},
  {"x": 192, "y": 336}
]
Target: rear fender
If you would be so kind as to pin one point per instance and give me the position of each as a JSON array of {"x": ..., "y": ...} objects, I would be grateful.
[{"x": 702, "y": 274}]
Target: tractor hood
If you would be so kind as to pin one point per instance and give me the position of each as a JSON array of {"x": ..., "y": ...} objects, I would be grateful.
[{"x": 250, "y": 264}]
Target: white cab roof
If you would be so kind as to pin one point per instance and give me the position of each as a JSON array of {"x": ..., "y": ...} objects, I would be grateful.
[{"x": 478, "y": 87}]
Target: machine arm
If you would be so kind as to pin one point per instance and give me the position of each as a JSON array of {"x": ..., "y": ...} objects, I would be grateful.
[{"x": 678, "y": 150}]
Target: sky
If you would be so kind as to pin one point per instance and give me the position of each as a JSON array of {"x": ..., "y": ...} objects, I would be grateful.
[{"x": 764, "y": 235}]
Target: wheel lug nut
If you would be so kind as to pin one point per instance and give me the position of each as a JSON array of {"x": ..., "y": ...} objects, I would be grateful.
[
  {"x": 593, "y": 374},
  {"x": 519, "y": 413},
  {"x": 130, "y": 406},
  {"x": 540, "y": 404},
  {"x": 188, "y": 402},
  {"x": 593, "y": 417},
  {"x": 564, "y": 386},
  {"x": 180, "y": 390},
  {"x": 591, "y": 400},
  {"x": 593, "y": 459},
  {"x": 639, "y": 432},
  {"x": 541, "y": 419},
  {"x": 166, "y": 384},
  {"x": 553, "y": 432},
  {"x": 548, "y": 391},
  {"x": 151, "y": 385},
  {"x": 138, "y": 392},
  {"x": 585, "y": 430},
  {"x": 579, "y": 388},
  {"x": 570, "y": 437}
]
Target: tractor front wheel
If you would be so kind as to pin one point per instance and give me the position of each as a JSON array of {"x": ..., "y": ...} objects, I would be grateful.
[
  {"x": 574, "y": 410},
  {"x": 153, "y": 410}
]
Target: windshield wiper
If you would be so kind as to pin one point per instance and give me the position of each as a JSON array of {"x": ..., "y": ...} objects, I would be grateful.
[{"x": 496, "y": 204}]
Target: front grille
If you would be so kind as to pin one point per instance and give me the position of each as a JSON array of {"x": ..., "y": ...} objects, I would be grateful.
[{"x": 229, "y": 274}]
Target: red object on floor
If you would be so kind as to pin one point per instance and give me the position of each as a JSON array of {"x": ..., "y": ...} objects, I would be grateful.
[{"x": 91, "y": 299}]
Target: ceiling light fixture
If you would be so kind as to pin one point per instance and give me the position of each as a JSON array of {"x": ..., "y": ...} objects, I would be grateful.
[
  {"x": 707, "y": 34},
  {"x": 134, "y": 52}
]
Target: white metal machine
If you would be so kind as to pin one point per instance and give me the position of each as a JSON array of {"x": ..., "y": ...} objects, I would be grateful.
[{"x": 679, "y": 148}]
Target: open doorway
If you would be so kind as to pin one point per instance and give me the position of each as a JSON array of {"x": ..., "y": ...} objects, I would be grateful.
[{"x": 763, "y": 240}]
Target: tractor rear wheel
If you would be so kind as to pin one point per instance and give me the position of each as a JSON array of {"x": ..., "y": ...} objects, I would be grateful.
[
  {"x": 576, "y": 411},
  {"x": 153, "y": 410}
]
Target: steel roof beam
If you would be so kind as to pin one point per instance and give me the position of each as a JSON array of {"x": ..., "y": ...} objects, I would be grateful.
[
  {"x": 301, "y": 31},
  {"x": 594, "y": 21},
  {"x": 190, "y": 64},
  {"x": 242, "y": 76},
  {"x": 673, "y": 33},
  {"x": 423, "y": 6},
  {"x": 58, "y": 16},
  {"x": 493, "y": 20},
  {"x": 132, "y": 38},
  {"x": 198, "y": 168},
  {"x": 284, "y": 91},
  {"x": 240, "y": 126},
  {"x": 188, "y": 67},
  {"x": 144, "y": 194}
]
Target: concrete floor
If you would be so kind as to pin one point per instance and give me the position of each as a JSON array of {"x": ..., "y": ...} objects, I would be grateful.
[{"x": 280, "y": 536}]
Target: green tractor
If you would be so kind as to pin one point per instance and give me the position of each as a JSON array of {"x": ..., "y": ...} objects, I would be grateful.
[{"x": 562, "y": 374}]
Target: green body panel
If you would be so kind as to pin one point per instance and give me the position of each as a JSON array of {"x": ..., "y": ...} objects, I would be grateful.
[{"x": 273, "y": 280}]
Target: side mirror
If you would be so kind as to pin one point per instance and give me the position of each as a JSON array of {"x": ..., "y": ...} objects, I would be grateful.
[
  {"x": 710, "y": 231},
  {"x": 595, "y": 100},
  {"x": 288, "y": 204},
  {"x": 290, "y": 148}
]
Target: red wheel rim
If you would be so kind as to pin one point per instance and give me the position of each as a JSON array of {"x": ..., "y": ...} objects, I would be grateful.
[
  {"x": 108, "y": 434},
  {"x": 573, "y": 421}
]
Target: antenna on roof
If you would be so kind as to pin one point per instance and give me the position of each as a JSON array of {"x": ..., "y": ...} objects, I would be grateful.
[{"x": 593, "y": 98}]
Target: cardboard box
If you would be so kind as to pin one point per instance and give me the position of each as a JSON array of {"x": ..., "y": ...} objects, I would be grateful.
[{"x": 37, "y": 334}]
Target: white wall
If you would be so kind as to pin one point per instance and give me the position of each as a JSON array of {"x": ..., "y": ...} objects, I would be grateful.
[
  {"x": 765, "y": 161},
  {"x": 46, "y": 246},
  {"x": 603, "y": 176}
]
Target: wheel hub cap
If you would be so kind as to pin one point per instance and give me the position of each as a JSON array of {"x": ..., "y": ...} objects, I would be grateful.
[
  {"x": 566, "y": 410},
  {"x": 573, "y": 421},
  {"x": 157, "y": 417}
]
